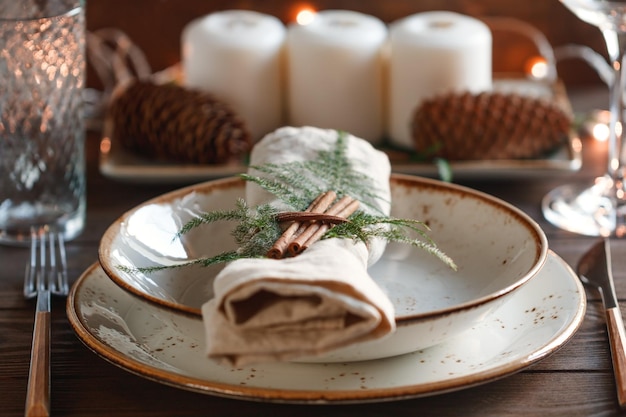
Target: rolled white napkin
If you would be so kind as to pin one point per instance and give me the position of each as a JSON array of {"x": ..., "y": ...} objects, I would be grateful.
[{"x": 323, "y": 299}]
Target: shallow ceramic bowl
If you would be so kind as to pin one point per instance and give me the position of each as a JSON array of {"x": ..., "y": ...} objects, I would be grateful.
[{"x": 496, "y": 246}]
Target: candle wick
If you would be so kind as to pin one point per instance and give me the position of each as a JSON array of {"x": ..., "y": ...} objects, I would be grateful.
[
  {"x": 441, "y": 24},
  {"x": 244, "y": 23},
  {"x": 342, "y": 23}
]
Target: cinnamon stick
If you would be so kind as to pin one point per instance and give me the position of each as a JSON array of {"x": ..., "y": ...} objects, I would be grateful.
[
  {"x": 323, "y": 228},
  {"x": 319, "y": 205},
  {"x": 312, "y": 232},
  {"x": 309, "y": 226},
  {"x": 305, "y": 216}
]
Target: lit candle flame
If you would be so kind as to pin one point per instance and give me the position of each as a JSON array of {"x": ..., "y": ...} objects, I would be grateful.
[
  {"x": 537, "y": 68},
  {"x": 305, "y": 16},
  {"x": 598, "y": 125},
  {"x": 600, "y": 132}
]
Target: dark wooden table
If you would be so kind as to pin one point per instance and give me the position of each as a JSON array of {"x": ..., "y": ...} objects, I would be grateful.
[{"x": 577, "y": 380}]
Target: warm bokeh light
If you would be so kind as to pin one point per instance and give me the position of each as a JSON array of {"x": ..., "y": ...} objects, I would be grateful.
[
  {"x": 537, "y": 68},
  {"x": 105, "y": 145},
  {"x": 599, "y": 127},
  {"x": 600, "y": 132},
  {"x": 305, "y": 15}
]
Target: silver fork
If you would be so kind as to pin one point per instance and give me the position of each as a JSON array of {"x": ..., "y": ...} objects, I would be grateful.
[{"x": 46, "y": 273}]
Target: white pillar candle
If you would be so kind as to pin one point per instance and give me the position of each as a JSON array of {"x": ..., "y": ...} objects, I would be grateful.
[
  {"x": 237, "y": 55},
  {"x": 335, "y": 73},
  {"x": 434, "y": 53}
]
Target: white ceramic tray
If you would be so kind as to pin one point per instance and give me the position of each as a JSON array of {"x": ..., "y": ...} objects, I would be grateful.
[{"x": 118, "y": 164}]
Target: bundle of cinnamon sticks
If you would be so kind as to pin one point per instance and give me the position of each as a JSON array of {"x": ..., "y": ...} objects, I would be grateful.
[{"x": 309, "y": 226}]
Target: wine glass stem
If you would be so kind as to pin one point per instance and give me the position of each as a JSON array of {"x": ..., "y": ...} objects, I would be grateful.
[{"x": 616, "y": 44}]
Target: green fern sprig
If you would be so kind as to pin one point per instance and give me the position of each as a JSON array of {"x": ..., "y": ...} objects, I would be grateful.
[
  {"x": 297, "y": 184},
  {"x": 363, "y": 227},
  {"x": 240, "y": 213},
  {"x": 223, "y": 257},
  {"x": 295, "y": 190},
  {"x": 255, "y": 233}
]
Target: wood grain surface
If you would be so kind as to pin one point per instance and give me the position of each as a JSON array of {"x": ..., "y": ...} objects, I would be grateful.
[{"x": 577, "y": 380}]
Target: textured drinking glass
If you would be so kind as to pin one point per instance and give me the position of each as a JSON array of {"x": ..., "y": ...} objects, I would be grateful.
[{"x": 42, "y": 75}]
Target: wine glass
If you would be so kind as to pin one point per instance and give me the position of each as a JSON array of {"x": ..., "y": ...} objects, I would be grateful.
[{"x": 600, "y": 208}]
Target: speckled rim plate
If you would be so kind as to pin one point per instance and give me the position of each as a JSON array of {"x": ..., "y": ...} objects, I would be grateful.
[
  {"x": 167, "y": 346},
  {"x": 497, "y": 249}
]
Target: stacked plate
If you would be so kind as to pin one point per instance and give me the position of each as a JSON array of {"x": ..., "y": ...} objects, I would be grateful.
[{"x": 511, "y": 303}]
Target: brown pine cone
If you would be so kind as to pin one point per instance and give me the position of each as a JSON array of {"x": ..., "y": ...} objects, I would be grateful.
[
  {"x": 171, "y": 123},
  {"x": 464, "y": 126}
]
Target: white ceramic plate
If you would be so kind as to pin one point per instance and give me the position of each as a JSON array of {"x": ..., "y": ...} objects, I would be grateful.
[
  {"x": 167, "y": 346},
  {"x": 497, "y": 249},
  {"x": 496, "y": 246}
]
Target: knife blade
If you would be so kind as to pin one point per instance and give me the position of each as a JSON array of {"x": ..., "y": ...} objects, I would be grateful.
[{"x": 594, "y": 269}]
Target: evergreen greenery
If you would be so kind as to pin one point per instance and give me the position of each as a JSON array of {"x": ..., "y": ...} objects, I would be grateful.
[{"x": 297, "y": 184}]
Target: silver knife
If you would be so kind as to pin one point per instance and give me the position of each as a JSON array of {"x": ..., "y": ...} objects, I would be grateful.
[{"x": 594, "y": 269}]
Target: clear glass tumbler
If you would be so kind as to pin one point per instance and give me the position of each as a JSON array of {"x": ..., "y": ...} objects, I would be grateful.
[{"x": 42, "y": 133}]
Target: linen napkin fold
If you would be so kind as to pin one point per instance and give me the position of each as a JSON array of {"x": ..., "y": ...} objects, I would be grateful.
[{"x": 267, "y": 310}]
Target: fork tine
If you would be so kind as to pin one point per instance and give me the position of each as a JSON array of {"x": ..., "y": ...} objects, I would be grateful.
[
  {"x": 47, "y": 267},
  {"x": 51, "y": 270},
  {"x": 41, "y": 273},
  {"x": 60, "y": 285},
  {"x": 30, "y": 289}
]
